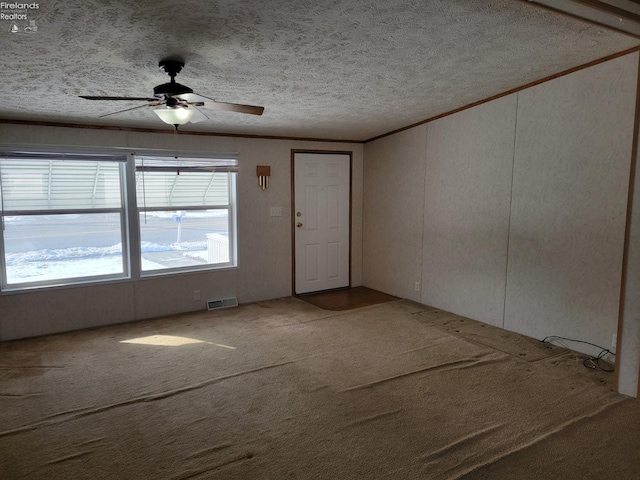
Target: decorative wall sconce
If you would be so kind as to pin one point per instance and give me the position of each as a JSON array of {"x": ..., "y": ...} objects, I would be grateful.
[{"x": 264, "y": 172}]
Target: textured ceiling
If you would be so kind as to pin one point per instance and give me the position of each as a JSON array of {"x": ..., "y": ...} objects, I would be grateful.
[{"x": 334, "y": 69}]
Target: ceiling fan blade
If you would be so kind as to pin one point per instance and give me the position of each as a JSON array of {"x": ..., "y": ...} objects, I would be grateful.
[
  {"x": 125, "y": 110},
  {"x": 138, "y": 99},
  {"x": 234, "y": 107},
  {"x": 194, "y": 98},
  {"x": 198, "y": 115},
  {"x": 214, "y": 105}
]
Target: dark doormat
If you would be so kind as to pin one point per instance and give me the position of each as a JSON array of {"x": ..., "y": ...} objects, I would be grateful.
[{"x": 346, "y": 298}]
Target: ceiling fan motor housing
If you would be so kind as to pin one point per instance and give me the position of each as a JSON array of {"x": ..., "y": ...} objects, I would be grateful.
[
  {"x": 170, "y": 89},
  {"x": 171, "y": 67}
]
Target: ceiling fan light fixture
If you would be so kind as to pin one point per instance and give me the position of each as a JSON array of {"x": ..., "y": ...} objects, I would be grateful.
[{"x": 174, "y": 115}]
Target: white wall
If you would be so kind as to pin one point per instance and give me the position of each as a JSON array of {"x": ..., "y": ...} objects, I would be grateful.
[
  {"x": 393, "y": 213},
  {"x": 524, "y": 215},
  {"x": 574, "y": 141},
  {"x": 264, "y": 242},
  {"x": 466, "y": 212}
]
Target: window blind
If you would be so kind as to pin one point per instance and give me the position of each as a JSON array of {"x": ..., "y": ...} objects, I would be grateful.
[
  {"x": 166, "y": 182},
  {"x": 31, "y": 181}
]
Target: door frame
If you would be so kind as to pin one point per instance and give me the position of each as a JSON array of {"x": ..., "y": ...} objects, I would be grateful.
[{"x": 293, "y": 205}]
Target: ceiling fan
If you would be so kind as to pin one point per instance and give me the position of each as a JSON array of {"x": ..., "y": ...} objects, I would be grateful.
[{"x": 176, "y": 104}]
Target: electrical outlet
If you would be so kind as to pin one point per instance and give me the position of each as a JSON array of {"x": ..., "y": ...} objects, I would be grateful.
[
  {"x": 196, "y": 295},
  {"x": 416, "y": 286}
]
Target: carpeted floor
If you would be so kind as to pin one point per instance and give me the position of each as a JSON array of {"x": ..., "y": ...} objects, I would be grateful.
[{"x": 285, "y": 390}]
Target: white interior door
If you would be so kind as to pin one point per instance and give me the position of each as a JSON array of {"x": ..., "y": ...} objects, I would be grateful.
[{"x": 321, "y": 221}]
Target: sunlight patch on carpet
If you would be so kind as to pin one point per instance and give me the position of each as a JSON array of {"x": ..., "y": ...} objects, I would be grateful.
[{"x": 171, "y": 341}]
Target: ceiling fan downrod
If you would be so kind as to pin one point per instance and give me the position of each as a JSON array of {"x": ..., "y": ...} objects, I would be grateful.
[{"x": 171, "y": 67}]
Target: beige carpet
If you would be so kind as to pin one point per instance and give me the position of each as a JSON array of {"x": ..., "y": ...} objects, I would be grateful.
[{"x": 285, "y": 390}]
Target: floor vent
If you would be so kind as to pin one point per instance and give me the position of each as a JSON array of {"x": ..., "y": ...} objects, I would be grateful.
[{"x": 223, "y": 303}]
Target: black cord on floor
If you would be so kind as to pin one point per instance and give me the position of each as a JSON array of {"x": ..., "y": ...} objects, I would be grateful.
[{"x": 591, "y": 362}]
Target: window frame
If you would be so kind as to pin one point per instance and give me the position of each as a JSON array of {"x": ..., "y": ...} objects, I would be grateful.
[
  {"x": 230, "y": 207},
  {"x": 128, "y": 215},
  {"x": 49, "y": 156}
]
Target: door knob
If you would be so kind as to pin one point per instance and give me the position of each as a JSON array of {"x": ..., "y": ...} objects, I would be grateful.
[{"x": 299, "y": 224}]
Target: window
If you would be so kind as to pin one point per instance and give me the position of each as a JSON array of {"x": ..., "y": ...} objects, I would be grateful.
[
  {"x": 63, "y": 218},
  {"x": 185, "y": 209},
  {"x": 68, "y": 218}
]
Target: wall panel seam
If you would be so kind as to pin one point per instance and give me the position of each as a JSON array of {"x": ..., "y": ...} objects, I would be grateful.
[{"x": 513, "y": 167}]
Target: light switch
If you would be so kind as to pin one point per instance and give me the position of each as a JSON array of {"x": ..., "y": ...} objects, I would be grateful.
[{"x": 276, "y": 211}]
